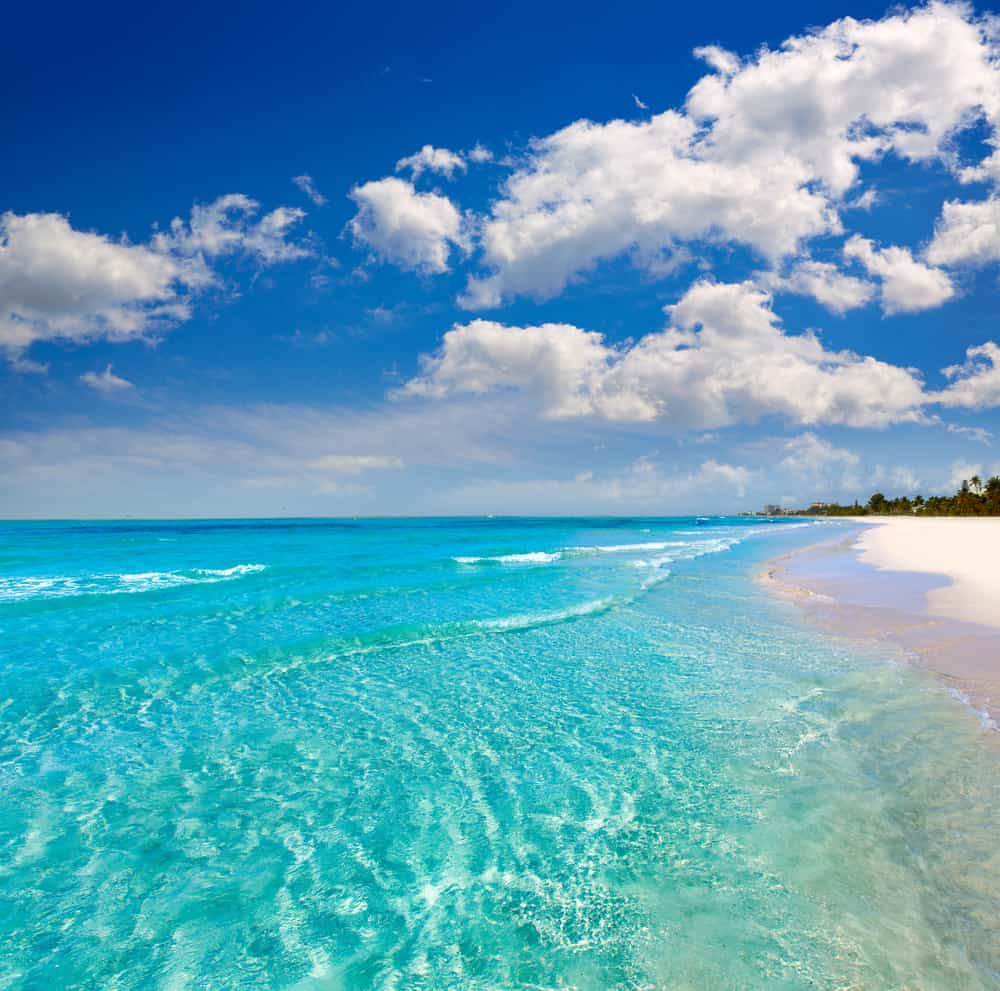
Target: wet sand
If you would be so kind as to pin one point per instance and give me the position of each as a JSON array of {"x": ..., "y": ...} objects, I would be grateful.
[{"x": 841, "y": 590}]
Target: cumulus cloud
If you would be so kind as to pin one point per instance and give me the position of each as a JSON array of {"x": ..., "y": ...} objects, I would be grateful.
[
  {"x": 764, "y": 154},
  {"x": 106, "y": 382},
  {"x": 60, "y": 283},
  {"x": 824, "y": 282},
  {"x": 907, "y": 285},
  {"x": 226, "y": 226},
  {"x": 723, "y": 62},
  {"x": 988, "y": 170},
  {"x": 414, "y": 230},
  {"x": 976, "y": 382},
  {"x": 967, "y": 233},
  {"x": 355, "y": 464},
  {"x": 724, "y": 359},
  {"x": 854, "y": 90},
  {"x": 308, "y": 187},
  {"x": 431, "y": 159},
  {"x": 592, "y": 192},
  {"x": 556, "y": 362}
]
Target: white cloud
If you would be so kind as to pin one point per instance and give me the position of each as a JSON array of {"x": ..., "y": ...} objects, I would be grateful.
[
  {"x": 308, "y": 187},
  {"x": 558, "y": 362},
  {"x": 479, "y": 154},
  {"x": 355, "y": 464},
  {"x": 723, "y": 62},
  {"x": 967, "y": 233},
  {"x": 591, "y": 192},
  {"x": 226, "y": 227},
  {"x": 26, "y": 366},
  {"x": 639, "y": 104},
  {"x": 962, "y": 471},
  {"x": 431, "y": 159},
  {"x": 723, "y": 360},
  {"x": 978, "y": 434},
  {"x": 765, "y": 153},
  {"x": 975, "y": 383},
  {"x": 988, "y": 170},
  {"x": 60, "y": 283},
  {"x": 823, "y": 281},
  {"x": 106, "y": 381},
  {"x": 821, "y": 462},
  {"x": 854, "y": 90},
  {"x": 900, "y": 480},
  {"x": 415, "y": 230},
  {"x": 907, "y": 285},
  {"x": 868, "y": 199}
]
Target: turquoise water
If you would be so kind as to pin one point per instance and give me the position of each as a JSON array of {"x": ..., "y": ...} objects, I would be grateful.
[{"x": 471, "y": 754}]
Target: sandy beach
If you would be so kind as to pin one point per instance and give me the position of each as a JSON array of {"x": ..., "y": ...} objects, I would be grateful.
[
  {"x": 965, "y": 551},
  {"x": 930, "y": 586}
]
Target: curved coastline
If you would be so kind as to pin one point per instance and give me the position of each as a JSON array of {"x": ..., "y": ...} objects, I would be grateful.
[{"x": 851, "y": 586}]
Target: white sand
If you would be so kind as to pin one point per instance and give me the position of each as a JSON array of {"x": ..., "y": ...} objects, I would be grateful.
[{"x": 966, "y": 550}]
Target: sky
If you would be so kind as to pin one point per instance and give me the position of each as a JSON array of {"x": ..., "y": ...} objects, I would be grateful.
[{"x": 537, "y": 259}]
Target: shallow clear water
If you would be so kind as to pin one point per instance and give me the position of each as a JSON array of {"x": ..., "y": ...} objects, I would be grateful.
[{"x": 471, "y": 754}]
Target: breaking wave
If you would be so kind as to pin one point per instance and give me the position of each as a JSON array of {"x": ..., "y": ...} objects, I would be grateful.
[
  {"x": 531, "y": 557},
  {"x": 13, "y": 589}
]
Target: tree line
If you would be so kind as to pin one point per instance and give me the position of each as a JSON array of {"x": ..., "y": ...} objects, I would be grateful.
[{"x": 973, "y": 498}]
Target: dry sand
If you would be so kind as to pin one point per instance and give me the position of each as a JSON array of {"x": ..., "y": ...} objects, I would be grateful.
[{"x": 965, "y": 551}]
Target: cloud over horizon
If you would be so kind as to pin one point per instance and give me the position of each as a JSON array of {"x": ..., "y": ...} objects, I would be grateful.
[{"x": 722, "y": 360}]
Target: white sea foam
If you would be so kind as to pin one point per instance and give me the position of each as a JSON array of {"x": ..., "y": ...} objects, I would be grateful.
[
  {"x": 983, "y": 715},
  {"x": 530, "y": 557},
  {"x": 679, "y": 549},
  {"x": 676, "y": 550},
  {"x": 24, "y": 587}
]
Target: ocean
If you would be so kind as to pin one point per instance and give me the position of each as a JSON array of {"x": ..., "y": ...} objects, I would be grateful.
[{"x": 472, "y": 753}]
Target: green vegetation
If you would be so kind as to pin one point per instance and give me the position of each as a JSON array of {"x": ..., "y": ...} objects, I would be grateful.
[{"x": 974, "y": 498}]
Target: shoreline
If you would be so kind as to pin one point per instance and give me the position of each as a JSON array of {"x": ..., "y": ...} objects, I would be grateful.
[{"x": 851, "y": 586}]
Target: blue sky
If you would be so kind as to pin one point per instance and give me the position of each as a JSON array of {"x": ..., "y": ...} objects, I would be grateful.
[{"x": 541, "y": 259}]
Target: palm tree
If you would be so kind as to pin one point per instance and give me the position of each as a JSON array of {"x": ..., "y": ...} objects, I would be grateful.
[
  {"x": 976, "y": 484},
  {"x": 993, "y": 495}
]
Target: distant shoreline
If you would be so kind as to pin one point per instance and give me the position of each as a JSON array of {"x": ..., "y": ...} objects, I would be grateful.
[{"x": 929, "y": 586}]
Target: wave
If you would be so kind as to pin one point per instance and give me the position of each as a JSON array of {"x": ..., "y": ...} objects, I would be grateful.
[
  {"x": 531, "y": 557},
  {"x": 679, "y": 549},
  {"x": 651, "y": 545},
  {"x": 13, "y": 589},
  {"x": 547, "y": 557},
  {"x": 402, "y": 637},
  {"x": 529, "y": 621}
]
